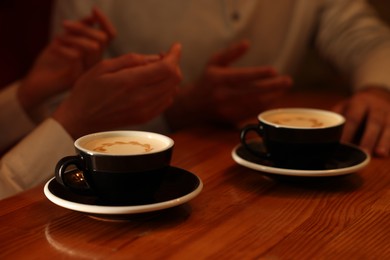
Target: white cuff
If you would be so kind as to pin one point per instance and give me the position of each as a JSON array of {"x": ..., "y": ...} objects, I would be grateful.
[
  {"x": 15, "y": 123},
  {"x": 32, "y": 161}
]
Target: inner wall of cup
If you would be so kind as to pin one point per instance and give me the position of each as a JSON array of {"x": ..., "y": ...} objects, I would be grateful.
[
  {"x": 143, "y": 142},
  {"x": 320, "y": 118}
]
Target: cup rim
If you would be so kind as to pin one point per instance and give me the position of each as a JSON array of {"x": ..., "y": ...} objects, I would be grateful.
[
  {"x": 169, "y": 141},
  {"x": 341, "y": 119}
]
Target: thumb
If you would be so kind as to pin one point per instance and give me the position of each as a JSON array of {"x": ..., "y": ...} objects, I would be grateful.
[
  {"x": 126, "y": 61},
  {"x": 104, "y": 22},
  {"x": 174, "y": 53},
  {"x": 230, "y": 54}
]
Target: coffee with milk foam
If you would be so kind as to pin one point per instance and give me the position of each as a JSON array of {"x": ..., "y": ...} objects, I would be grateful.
[
  {"x": 125, "y": 145},
  {"x": 302, "y": 119}
]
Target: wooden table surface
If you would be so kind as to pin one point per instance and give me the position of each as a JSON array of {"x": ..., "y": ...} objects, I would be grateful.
[{"x": 240, "y": 214}]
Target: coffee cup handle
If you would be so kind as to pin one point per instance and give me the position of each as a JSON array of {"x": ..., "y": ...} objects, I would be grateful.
[
  {"x": 258, "y": 130},
  {"x": 73, "y": 179}
]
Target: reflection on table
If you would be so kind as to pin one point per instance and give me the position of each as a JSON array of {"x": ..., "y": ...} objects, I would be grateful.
[{"x": 241, "y": 213}]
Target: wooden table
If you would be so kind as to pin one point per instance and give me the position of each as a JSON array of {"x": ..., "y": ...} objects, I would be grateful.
[{"x": 240, "y": 214}]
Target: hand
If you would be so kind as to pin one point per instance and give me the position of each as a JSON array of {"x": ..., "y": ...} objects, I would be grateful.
[
  {"x": 367, "y": 116},
  {"x": 120, "y": 92},
  {"x": 226, "y": 94},
  {"x": 66, "y": 58}
]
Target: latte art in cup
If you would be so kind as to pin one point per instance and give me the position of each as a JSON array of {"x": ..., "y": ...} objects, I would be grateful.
[
  {"x": 122, "y": 145},
  {"x": 301, "y": 119},
  {"x": 296, "y": 138},
  {"x": 120, "y": 167}
]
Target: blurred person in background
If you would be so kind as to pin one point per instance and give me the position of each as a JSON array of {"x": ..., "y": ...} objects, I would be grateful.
[
  {"x": 239, "y": 56},
  {"x": 102, "y": 95}
]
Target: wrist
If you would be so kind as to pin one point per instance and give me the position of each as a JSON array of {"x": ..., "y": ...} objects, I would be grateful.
[
  {"x": 25, "y": 99},
  {"x": 68, "y": 121},
  {"x": 28, "y": 95},
  {"x": 378, "y": 90}
]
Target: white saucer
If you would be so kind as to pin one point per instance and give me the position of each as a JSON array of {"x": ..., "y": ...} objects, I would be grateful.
[
  {"x": 179, "y": 186},
  {"x": 347, "y": 159}
]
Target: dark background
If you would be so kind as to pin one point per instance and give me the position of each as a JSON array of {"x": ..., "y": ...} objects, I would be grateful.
[{"x": 24, "y": 27}]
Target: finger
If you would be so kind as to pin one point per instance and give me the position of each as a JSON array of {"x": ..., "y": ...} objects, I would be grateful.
[
  {"x": 79, "y": 29},
  {"x": 126, "y": 61},
  {"x": 83, "y": 44},
  {"x": 373, "y": 127},
  {"x": 383, "y": 147},
  {"x": 64, "y": 51},
  {"x": 149, "y": 73},
  {"x": 173, "y": 57},
  {"x": 218, "y": 75},
  {"x": 97, "y": 18},
  {"x": 354, "y": 115},
  {"x": 104, "y": 22},
  {"x": 88, "y": 20},
  {"x": 174, "y": 53},
  {"x": 90, "y": 50},
  {"x": 230, "y": 54}
]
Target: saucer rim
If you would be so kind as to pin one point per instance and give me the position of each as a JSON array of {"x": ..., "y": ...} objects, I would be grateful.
[
  {"x": 302, "y": 173},
  {"x": 122, "y": 210}
]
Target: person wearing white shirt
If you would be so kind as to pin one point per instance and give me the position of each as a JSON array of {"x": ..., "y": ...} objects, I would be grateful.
[
  {"x": 237, "y": 53},
  {"x": 103, "y": 95}
]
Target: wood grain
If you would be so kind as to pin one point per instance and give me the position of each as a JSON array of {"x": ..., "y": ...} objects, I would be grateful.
[{"x": 240, "y": 214}]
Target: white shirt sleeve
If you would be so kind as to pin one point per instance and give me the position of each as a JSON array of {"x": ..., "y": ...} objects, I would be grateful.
[
  {"x": 32, "y": 160},
  {"x": 375, "y": 70},
  {"x": 15, "y": 123},
  {"x": 351, "y": 35}
]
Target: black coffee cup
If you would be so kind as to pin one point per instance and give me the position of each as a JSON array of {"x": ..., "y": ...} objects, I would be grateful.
[
  {"x": 117, "y": 166},
  {"x": 296, "y": 138}
]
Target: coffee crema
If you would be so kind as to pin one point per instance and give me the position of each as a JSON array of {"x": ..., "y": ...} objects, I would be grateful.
[
  {"x": 304, "y": 120},
  {"x": 124, "y": 145}
]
